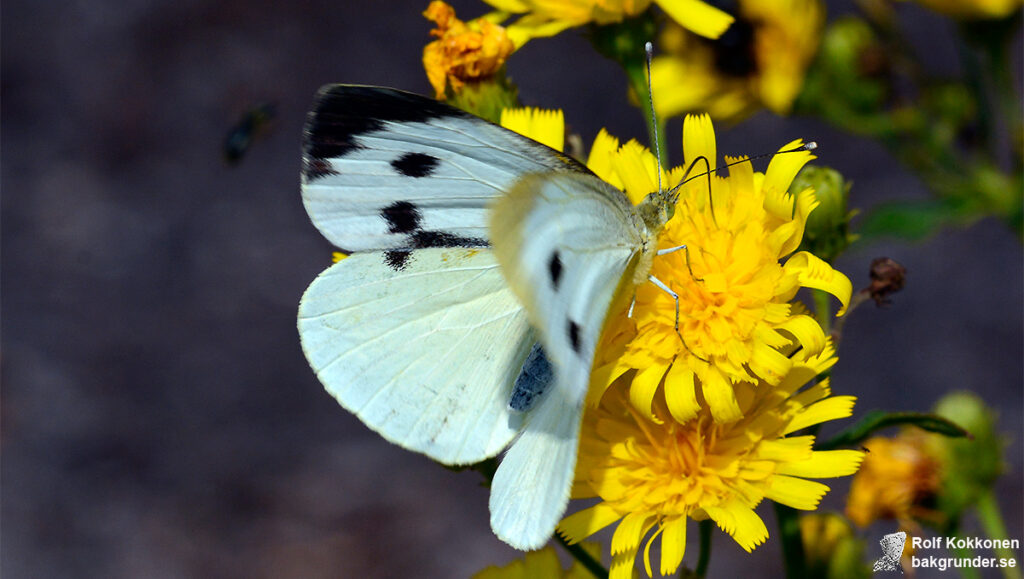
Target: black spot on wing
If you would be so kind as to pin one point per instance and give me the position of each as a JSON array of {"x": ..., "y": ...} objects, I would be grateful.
[
  {"x": 423, "y": 239},
  {"x": 415, "y": 164},
  {"x": 402, "y": 217},
  {"x": 397, "y": 259},
  {"x": 343, "y": 112},
  {"x": 574, "y": 336},
  {"x": 555, "y": 269}
]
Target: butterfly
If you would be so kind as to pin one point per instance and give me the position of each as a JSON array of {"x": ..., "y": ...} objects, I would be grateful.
[{"x": 468, "y": 244}]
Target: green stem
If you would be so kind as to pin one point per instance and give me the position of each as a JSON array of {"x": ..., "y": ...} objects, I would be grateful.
[
  {"x": 823, "y": 309},
  {"x": 965, "y": 553},
  {"x": 704, "y": 558},
  {"x": 992, "y": 523},
  {"x": 792, "y": 542},
  {"x": 594, "y": 566}
]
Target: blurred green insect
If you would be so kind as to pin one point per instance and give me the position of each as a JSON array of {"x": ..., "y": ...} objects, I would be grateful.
[{"x": 251, "y": 126}]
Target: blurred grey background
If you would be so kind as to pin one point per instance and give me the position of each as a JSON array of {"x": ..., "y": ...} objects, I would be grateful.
[{"x": 158, "y": 417}]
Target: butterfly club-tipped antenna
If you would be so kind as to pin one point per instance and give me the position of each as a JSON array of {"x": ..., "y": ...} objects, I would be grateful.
[
  {"x": 648, "y": 56},
  {"x": 808, "y": 146},
  {"x": 673, "y": 193}
]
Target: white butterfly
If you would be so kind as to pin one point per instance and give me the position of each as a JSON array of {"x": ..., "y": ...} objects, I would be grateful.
[{"x": 420, "y": 332}]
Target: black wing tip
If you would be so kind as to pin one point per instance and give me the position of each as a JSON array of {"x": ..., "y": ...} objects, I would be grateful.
[{"x": 343, "y": 112}]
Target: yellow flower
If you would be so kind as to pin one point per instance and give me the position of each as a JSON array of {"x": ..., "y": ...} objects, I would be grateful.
[
  {"x": 759, "y": 62},
  {"x": 652, "y": 476},
  {"x": 734, "y": 314},
  {"x": 542, "y": 18},
  {"x": 542, "y": 564},
  {"x": 543, "y": 126},
  {"x": 463, "y": 51},
  {"x": 900, "y": 475},
  {"x": 973, "y": 9}
]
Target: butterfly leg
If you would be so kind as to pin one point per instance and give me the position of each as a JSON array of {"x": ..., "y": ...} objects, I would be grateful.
[
  {"x": 632, "y": 304},
  {"x": 661, "y": 285},
  {"x": 686, "y": 251}
]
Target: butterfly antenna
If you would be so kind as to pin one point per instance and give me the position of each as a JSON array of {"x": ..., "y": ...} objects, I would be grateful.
[
  {"x": 649, "y": 50},
  {"x": 809, "y": 146}
]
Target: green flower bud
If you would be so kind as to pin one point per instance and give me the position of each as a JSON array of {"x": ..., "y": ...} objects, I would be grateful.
[
  {"x": 624, "y": 41},
  {"x": 831, "y": 548},
  {"x": 849, "y": 75},
  {"x": 827, "y": 233},
  {"x": 486, "y": 98},
  {"x": 970, "y": 465}
]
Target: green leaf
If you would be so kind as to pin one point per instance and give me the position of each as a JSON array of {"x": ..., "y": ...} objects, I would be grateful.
[
  {"x": 909, "y": 220},
  {"x": 877, "y": 420}
]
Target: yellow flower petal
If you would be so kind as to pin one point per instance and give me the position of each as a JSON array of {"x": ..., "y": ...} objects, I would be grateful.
[
  {"x": 600, "y": 159},
  {"x": 638, "y": 169},
  {"x": 701, "y": 18},
  {"x": 542, "y": 125},
  {"x": 825, "y": 464},
  {"x": 629, "y": 532},
  {"x": 815, "y": 273},
  {"x": 813, "y": 393},
  {"x": 795, "y": 492},
  {"x": 719, "y": 396},
  {"x": 699, "y": 141},
  {"x": 529, "y": 27},
  {"x": 783, "y": 168},
  {"x": 514, "y": 6},
  {"x": 741, "y": 522},
  {"x": 622, "y": 565},
  {"x": 769, "y": 363},
  {"x": 828, "y": 409},
  {"x": 806, "y": 331},
  {"x": 582, "y": 524},
  {"x": 973, "y": 9},
  {"x": 673, "y": 96},
  {"x": 797, "y": 448},
  {"x": 673, "y": 545},
  {"x": 645, "y": 384},
  {"x": 681, "y": 393}
]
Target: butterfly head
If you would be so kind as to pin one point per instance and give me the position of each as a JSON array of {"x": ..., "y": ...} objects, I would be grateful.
[{"x": 657, "y": 209}]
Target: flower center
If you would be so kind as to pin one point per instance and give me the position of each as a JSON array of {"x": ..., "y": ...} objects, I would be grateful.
[{"x": 674, "y": 469}]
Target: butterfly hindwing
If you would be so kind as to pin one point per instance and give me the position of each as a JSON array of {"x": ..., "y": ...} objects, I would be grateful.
[
  {"x": 385, "y": 169},
  {"x": 425, "y": 355},
  {"x": 566, "y": 243}
]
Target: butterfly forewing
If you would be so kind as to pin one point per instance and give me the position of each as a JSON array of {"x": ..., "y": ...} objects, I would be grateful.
[{"x": 385, "y": 169}]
